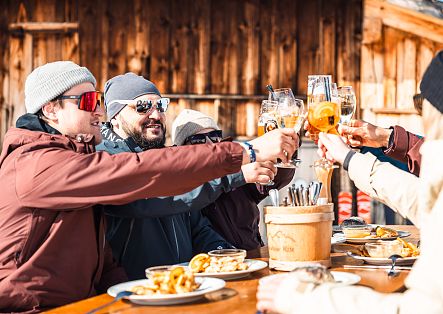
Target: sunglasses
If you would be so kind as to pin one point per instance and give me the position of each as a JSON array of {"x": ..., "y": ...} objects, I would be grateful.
[
  {"x": 88, "y": 101},
  {"x": 215, "y": 137},
  {"x": 144, "y": 106}
]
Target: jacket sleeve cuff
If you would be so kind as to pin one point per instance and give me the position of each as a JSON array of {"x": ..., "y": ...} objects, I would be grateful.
[
  {"x": 348, "y": 159},
  {"x": 398, "y": 147}
]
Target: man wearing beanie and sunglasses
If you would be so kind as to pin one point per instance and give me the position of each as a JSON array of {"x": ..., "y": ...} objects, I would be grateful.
[
  {"x": 52, "y": 248},
  {"x": 167, "y": 230}
]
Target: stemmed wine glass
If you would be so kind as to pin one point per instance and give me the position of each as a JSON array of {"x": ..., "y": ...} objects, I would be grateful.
[
  {"x": 291, "y": 113},
  {"x": 347, "y": 103}
]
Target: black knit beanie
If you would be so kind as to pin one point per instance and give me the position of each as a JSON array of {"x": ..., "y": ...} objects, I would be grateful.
[{"x": 432, "y": 83}]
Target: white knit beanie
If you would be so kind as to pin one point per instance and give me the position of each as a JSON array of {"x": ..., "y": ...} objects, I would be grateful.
[
  {"x": 51, "y": 80},
  {"x": 189, "y": 122}
]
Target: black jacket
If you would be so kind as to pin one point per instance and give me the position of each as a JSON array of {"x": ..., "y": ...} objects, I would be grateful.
[{"x": 163, "y": 231}]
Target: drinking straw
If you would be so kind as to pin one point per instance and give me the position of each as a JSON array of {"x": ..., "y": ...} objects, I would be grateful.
[{"x": 269, "y": 87}]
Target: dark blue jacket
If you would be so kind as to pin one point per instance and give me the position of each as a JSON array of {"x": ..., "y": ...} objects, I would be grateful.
[{"x": 163, "y": 231}]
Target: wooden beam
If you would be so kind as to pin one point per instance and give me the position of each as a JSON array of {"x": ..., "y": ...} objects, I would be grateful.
[
  {"x": 44, "y": 27},
  {"x": 393, "y": 111},
  {"x": 223, "y": 96},
  {"x": 407, "y": 20}
]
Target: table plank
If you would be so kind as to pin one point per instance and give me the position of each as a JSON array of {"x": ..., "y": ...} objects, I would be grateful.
[{"x": 239, "y": 296}]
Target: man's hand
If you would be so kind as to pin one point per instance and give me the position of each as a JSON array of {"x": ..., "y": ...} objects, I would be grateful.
[
  {"x": 259, "y": 172},
  {"x": 332, "y": 147},
  {"x": 279, "y": 143},
  {"x": 361, "y": 133}
]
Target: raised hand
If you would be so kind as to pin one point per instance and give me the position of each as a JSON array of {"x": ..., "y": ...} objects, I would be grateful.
[
  {"x": 259, "y": 172},
  {"x": 279, "y": 143},
  {"x": 332, "y": 147},
  {"x": 361, "y": 133}
]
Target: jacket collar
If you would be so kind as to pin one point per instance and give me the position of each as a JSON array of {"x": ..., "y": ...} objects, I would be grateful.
[{"x": 33, "y": 123}]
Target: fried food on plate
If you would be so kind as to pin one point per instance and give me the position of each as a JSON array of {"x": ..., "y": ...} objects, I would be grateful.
[
  {"x": 203, "y": 263},
  {"x": 173, "y": 281}
]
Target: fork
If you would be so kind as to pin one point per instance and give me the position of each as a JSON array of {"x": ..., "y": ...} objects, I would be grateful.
[
  {"x": 118, "y": 297},
  {"x": 392, "y": 272}
]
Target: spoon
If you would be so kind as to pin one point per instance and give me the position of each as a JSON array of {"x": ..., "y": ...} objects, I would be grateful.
[
  {"x": 392, "y": 272},
  {"x": 118, "y": 297}
]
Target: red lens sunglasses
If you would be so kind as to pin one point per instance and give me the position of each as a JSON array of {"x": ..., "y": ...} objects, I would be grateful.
[{"x": 88, "y": 101}]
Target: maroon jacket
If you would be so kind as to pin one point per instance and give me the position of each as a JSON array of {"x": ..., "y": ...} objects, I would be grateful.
[
  {"x": 235, "y": 215},
  {"x": 405, "y": 147},
  {"x": 52, "y": 249}
]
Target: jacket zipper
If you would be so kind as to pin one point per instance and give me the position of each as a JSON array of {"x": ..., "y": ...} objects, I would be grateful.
[{"x": 176, "y": 242}]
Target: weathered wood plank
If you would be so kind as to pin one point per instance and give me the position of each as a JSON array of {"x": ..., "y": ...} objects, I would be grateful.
[
  {"x": 180, "y": 45},
  {"x": 249, "y": 42},
  {"x": 371, "y": 92},
  {"x": 138, "y": 39},
  {"x": 268, "y": 45},
  {"x": 92, "y": 47},
  {"x": 159, "y": 16},
  {"x": 409, "y": 73},
  {"x": 287, "y": 44},
  {"x": 200, "y": 54},
  {"x": 308, "y": 34},
  {"x": 390, "y": 63},
  {"x": 119, "y": 18}
]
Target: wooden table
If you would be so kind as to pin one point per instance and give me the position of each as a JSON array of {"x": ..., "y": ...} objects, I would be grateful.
[{"x": 239, "y": 296}]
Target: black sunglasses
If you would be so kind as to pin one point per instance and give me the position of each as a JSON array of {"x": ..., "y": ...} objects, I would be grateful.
[
  {"x": 215, "y": 137},
  {"x": 144, "y": 106}
]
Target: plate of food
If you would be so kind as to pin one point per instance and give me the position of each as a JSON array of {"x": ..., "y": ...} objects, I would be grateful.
[
  {"x": 318, "y": 274},
  {"x": 370, "y": 233},
  {"x": 378, "y": 253},
  {"x": 167, "y": 285},
  {"x": 226, "y": 264}
]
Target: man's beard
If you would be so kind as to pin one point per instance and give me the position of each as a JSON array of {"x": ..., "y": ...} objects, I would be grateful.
[{"x": 139, "y": 138}]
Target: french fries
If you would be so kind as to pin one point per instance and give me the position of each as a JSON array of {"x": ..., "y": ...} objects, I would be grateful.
[
  {"x": 176, "y": 280},
  {"x": 409, "y": 249}
]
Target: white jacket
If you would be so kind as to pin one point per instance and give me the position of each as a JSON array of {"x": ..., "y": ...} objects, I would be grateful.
[
  {"x": 386, "y": 183},
  {"x": 425, "y": 282}
]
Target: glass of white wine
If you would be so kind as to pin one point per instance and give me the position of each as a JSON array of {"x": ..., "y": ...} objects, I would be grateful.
[{"x": 348, "y": 102}]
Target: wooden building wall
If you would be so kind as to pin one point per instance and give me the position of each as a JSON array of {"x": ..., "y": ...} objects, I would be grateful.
[
  {"x": 215, "y": 56},
  {"x": 398, "y": 45}
]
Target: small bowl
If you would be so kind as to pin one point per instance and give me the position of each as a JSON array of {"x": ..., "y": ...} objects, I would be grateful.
[
  {"x": 236, "y": 254},
  {"x": 157, "y": 270},
  {"x": 384, "y": 249},
  {"x": 357, "y": 231}
]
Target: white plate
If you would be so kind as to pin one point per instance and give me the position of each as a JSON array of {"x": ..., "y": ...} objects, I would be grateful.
[
  {"x": 384, "y": 261},
  {"x": 401, "y": 234},
  {"x": 254, "y": 265},
  {"x": 207, "y": 285},
  {"x": 342, "y": 278}
]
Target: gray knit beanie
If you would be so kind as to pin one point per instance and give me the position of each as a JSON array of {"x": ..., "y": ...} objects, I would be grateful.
[
  {"x": 431, "y": 84},
  {"x": 51, "y": 80},
  {"x": 189, "y": 122},
  {"x": 126, "y": 87}
]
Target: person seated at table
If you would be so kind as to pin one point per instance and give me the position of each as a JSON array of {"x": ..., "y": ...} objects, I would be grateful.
[
  {"x": 167, "y": 230},
  {"x": 52, "y": 248},
  {"x": 234, "y": 214},
  {"x": 424, "y": 292}
]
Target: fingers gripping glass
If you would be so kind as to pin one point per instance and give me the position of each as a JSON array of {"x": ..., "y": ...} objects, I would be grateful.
[
  {"x": 88, "y": 101},
  {"x": 144, "y": 106},
  {"x": 215, "y": 137}
]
